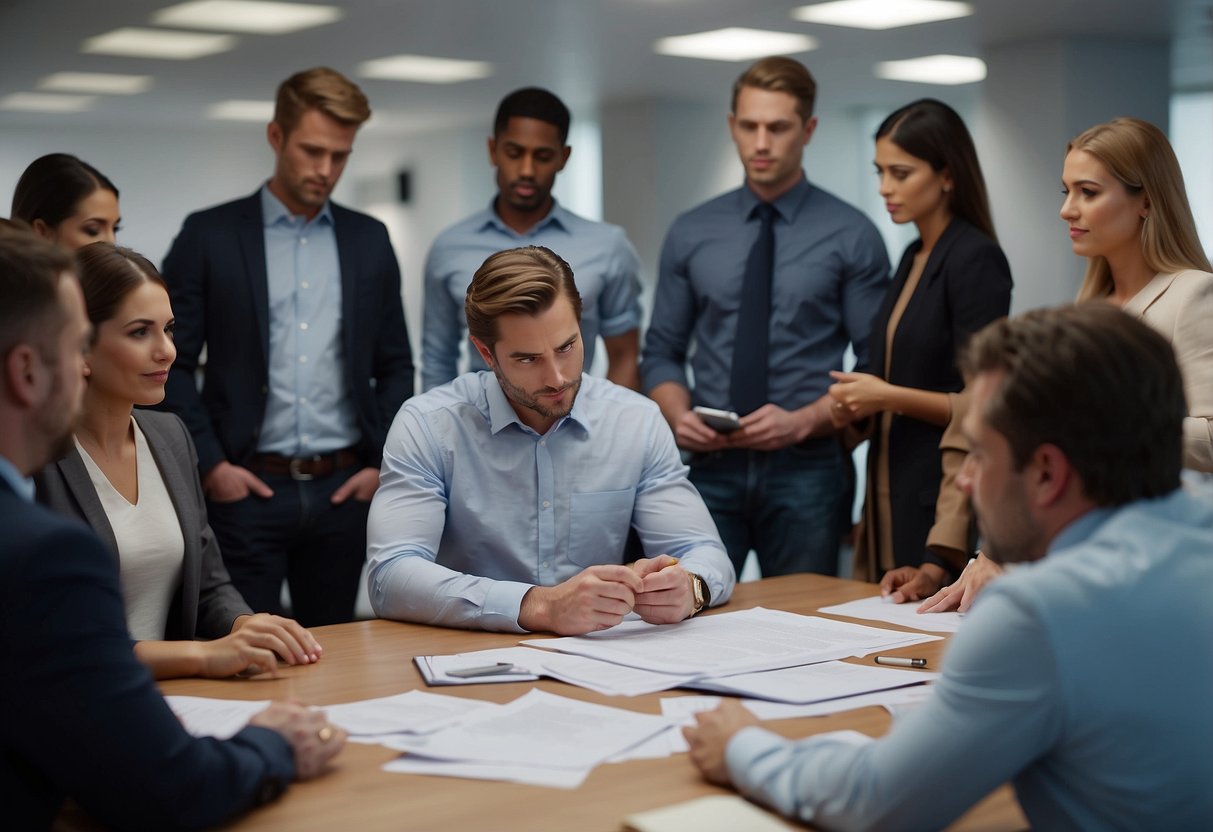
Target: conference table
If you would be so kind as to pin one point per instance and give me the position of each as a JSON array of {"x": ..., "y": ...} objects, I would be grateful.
[{"x": 368, "y": 659}]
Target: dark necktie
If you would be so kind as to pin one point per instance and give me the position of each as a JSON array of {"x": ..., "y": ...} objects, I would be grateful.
[{"x": 748, "y": 379}]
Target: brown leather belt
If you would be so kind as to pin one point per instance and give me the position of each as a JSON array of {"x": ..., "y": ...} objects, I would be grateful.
[{"x": 304, "y": 468}]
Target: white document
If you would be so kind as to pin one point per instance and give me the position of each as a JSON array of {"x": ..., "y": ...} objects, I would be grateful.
[
  {"x": 903, "y": 615},
  {"x": 434, "y": 668},
  {"x": 557, "y": 778},
  {"x": 815, "y": 682},
  {"x": 415, "y": 712},
  {"x": 538, "y": 729},
  {"x": 717, "y": 813},
  {"x": 219, "y": 718},
  {"x": 896, "y": 702},
  {"x": 738, "y": 642}
]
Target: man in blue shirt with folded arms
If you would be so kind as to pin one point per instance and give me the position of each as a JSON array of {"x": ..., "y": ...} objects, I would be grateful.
[
  {"x": 506, "y": 498},
  {"x": 1083, "y": 677}
]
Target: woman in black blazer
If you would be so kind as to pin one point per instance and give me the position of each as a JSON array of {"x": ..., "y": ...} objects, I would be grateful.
[
  {"x": 133, "y": 478},
  {"x": 950, "y": 283}
]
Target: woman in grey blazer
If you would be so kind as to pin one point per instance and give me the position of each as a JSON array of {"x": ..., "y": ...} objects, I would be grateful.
[{"x": 132, "y": 476}]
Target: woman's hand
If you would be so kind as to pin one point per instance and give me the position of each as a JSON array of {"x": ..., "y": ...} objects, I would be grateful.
[{"x": 861, "y": 394}]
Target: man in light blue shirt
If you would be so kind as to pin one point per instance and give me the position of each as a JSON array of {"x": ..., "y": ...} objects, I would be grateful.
[
  {"x": 528, "y": 149},
  {"x": 1083, "y": 677},
  {"x": 507, "y": 497}
]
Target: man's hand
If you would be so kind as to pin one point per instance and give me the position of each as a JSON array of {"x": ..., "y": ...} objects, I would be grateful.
[
  {"x": 666, "y": 594},
  {"x": 862, "y": 394},
  {"x": 912, "y": 583},
  {"x": 361, "y": 486},
  {"x": 770, "y": 428},
  {"x": 710, "y": 737},
  {"x": 961, "y": 594},
  {"x": 309, "y": 733},
  {"x": 596, "y": 598},
  {"x": 692, "y": 434},
  {"x": 227, "y": 483}
]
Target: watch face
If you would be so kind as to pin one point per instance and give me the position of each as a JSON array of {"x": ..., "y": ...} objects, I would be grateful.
[{"x": 697, "y": 588}]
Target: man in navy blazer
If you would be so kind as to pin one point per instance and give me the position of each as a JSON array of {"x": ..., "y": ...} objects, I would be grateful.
[
  {"x": 297, "y": 302},
  {"x": 82, "y": 716}
]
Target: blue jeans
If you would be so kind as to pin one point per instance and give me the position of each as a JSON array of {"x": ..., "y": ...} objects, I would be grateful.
[{"x": 785, "y": 504}]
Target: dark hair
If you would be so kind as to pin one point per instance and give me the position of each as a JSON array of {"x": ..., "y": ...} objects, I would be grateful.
[
  {"x": 323, "y": 89},
  {"x": 779, "y": 74},
  {"x": 1097, "y": 383},
  {"x": 533, "y": 102},
  {"x": 53, "y": 185},
  {"x": 108, "y": 273},
  {"x": 30, "y": 271},
  {"x": 517, "y": 281},
  {"x": 932, "y": 131}
]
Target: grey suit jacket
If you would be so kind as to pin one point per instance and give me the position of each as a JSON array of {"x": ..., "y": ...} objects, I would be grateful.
[
  {"x": 1180, "y": 306},
  {"x": 207, "y": 603}
]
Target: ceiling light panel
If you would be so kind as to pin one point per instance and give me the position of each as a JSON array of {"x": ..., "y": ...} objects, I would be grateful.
[
  {"x": 241, "y": 110},
  {"x": 734, "y": 44},
  {"x": 37, "y": 102},
  {"x": 100, "y": 83},
  {"x": 934, "y": 69},
  {"x": 424, "y": 69},
  {"x": 881, "y": 14},
  {"x": 133, "y": 42},
  {"x": 246, "y": 16}
]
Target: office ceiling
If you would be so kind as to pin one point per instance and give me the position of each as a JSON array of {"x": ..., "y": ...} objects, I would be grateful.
[{"x": 590, "y": 51}]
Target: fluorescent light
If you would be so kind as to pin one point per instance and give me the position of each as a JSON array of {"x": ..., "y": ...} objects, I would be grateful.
[
  {"x": 37, "y": 102},
  {"x": 734, "y": 44},
  {"x": 251, "y": 16},
  {"x": 241, "y": 110},
  {"x": 102, "y": 83},
  {"x": 881, "y": 14},
  {"x": 424, "y": 69},
  {"x": 133, "y": 42},
  {"x": 934, "y": 69}
]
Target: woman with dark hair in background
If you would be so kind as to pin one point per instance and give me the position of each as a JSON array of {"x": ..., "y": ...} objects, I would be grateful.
[
  {"x": 950, "y": 283},
  {"x": 132, "y": 475},
  {"x": 67, "y": 201}
]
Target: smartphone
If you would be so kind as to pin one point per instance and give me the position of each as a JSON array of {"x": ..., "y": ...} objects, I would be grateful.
[
  {"x": 721, "y": 420},
  {"x": 499, "y": 669}
]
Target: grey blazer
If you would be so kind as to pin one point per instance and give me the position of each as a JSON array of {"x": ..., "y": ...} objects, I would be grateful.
[{"x": 207, "y": 603}]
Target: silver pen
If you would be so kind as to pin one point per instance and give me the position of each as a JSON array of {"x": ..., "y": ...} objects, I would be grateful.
[{"x": 898, "y": 661}]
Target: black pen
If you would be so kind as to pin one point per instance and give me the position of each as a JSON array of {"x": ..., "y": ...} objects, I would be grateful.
[{"x": 898, "y": 661}]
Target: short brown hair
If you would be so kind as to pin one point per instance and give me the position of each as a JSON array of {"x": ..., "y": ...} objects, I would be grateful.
[
  {"x": 30, "y": 309},
  {"x": 517, "y": 281},
  {"x": 1100, "y": 385},
  {"x": 780, "y": 74},
  {"x": 323, "y": 89},
  {"x": 108, "y": 273}
]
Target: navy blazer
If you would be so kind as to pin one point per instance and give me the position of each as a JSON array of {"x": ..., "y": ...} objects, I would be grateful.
[
  {"x": 965, "y": 284},
  {"x": 82, "y": 717},
  {"x": 219, "y": 288},
  {"x": 206, "y": 602}
]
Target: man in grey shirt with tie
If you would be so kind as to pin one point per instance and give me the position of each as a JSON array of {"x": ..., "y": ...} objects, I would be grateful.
[{"x": 760, "y": 291}]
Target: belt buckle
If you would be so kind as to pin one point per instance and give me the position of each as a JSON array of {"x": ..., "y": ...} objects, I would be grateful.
[{"x": 296, "y": 474}]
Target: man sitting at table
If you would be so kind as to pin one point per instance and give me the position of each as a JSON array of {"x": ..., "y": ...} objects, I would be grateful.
[
  {"x": 1085, "y": 677},
  {"x": 506, "y": 497}
]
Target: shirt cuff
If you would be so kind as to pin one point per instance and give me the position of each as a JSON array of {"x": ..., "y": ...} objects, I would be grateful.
[{"x": 501, "y": 606}]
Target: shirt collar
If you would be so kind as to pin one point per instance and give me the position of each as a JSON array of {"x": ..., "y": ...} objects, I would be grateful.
[
  {"x": 502, "y": 413},
  {"x": 273, "y": 212},
  {"x": 787, "y": 205},
  {"x": 23, "y": 486},
  {"x": 557, "y": 218},
  {"x": 1080, "y": 529}
]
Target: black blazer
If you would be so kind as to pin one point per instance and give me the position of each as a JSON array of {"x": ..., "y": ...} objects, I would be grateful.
[
  {"x": 218, "y": 284},
  {"x": 206, "y": 603},
  {"x": 82, "y": 717},
  {"x": 965, "y": 284}
]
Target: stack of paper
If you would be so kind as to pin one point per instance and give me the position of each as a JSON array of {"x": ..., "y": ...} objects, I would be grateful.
[
  {"x": 903, "y": 615},
  {"x": 815, "y": 682}
]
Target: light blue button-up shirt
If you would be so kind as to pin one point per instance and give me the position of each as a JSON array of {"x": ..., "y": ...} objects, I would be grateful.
[
  {"x": 474, "y": 508},
  {"x": 605, "y": 267},
  {"x": 308, "y": 410},
  {"x": 23, "y": 486}
]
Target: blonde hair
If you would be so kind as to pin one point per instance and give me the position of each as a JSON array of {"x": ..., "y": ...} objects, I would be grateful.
[
  {"x": 1138, "y": 154},
  {"x": 323, "y": 89},
  {"x": 779, "y": 74},
  {"x": 517, "y": 281}
]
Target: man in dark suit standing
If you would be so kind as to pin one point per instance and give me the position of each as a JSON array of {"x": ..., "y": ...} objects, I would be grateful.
[
  {"x": 82, "y": 716},
  {"x": 297, "y": 301}
]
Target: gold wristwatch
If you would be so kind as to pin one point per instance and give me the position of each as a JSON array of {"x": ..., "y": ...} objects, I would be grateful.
[{"x": 703, "y": 595}]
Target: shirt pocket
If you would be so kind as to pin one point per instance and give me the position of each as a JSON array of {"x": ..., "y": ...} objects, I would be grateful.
[{"x": 598, "y": 525}]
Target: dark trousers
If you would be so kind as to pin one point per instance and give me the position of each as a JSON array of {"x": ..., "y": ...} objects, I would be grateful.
[
  {"x": 299, "y": 536},
  {"x": 782, "y": 504}
]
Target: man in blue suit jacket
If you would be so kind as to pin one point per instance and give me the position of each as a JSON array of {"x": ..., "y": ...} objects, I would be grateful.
[
  {"x": 82, "y": 716},
  {"x": 297, "y": 301}
]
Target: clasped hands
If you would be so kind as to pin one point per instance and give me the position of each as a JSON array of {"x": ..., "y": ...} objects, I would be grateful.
[{"x": 598, "y": 597}]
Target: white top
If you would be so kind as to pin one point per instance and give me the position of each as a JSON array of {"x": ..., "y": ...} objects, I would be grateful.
[{"x": 151, "y": 549}]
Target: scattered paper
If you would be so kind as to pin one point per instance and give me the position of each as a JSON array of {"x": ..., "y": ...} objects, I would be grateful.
[
  {"x": 558, "y": 778},
  {"x": 815, "y": 682},
  {"x": 903, "y": 615},
  {"x": 415, "y": 712},
  {"x": 218, "y": 718},
  {"x": 683, "y": 708}
]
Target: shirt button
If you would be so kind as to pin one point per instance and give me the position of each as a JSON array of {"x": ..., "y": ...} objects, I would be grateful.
[
  {"x": 547, "y": 504},
  {"x": 303, "y": 359},
  {"x": 302, "y": 400},
  {"x": 305, "y": 285},
  {"x": 543, "y": 443},
  {"x": 303, "y": 241},
  {"x": 303, "y": 326},
  {"x": 546, "y": 564}
]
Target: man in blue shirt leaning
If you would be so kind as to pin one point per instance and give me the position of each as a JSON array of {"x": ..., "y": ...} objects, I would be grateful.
[
  {"x": 528, "y": 149},
  {"x": 760, "y": 291},
  {"x": 507, "y": 497},
  {"x": 1084, "y": 675}
]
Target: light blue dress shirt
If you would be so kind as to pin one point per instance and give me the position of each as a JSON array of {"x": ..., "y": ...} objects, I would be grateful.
[
  {"x": 831, "y": 274},
  {"x": 1084, "y": 677},
  {"x": 22, "y": 486},
  {"x": 308, "y": 410},
  {"x": 605, "y": 267},
  {"x": 474, "y": 508}
]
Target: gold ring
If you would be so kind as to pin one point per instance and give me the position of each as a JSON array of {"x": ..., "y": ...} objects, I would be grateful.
[{"x": 325, "y": 734}]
